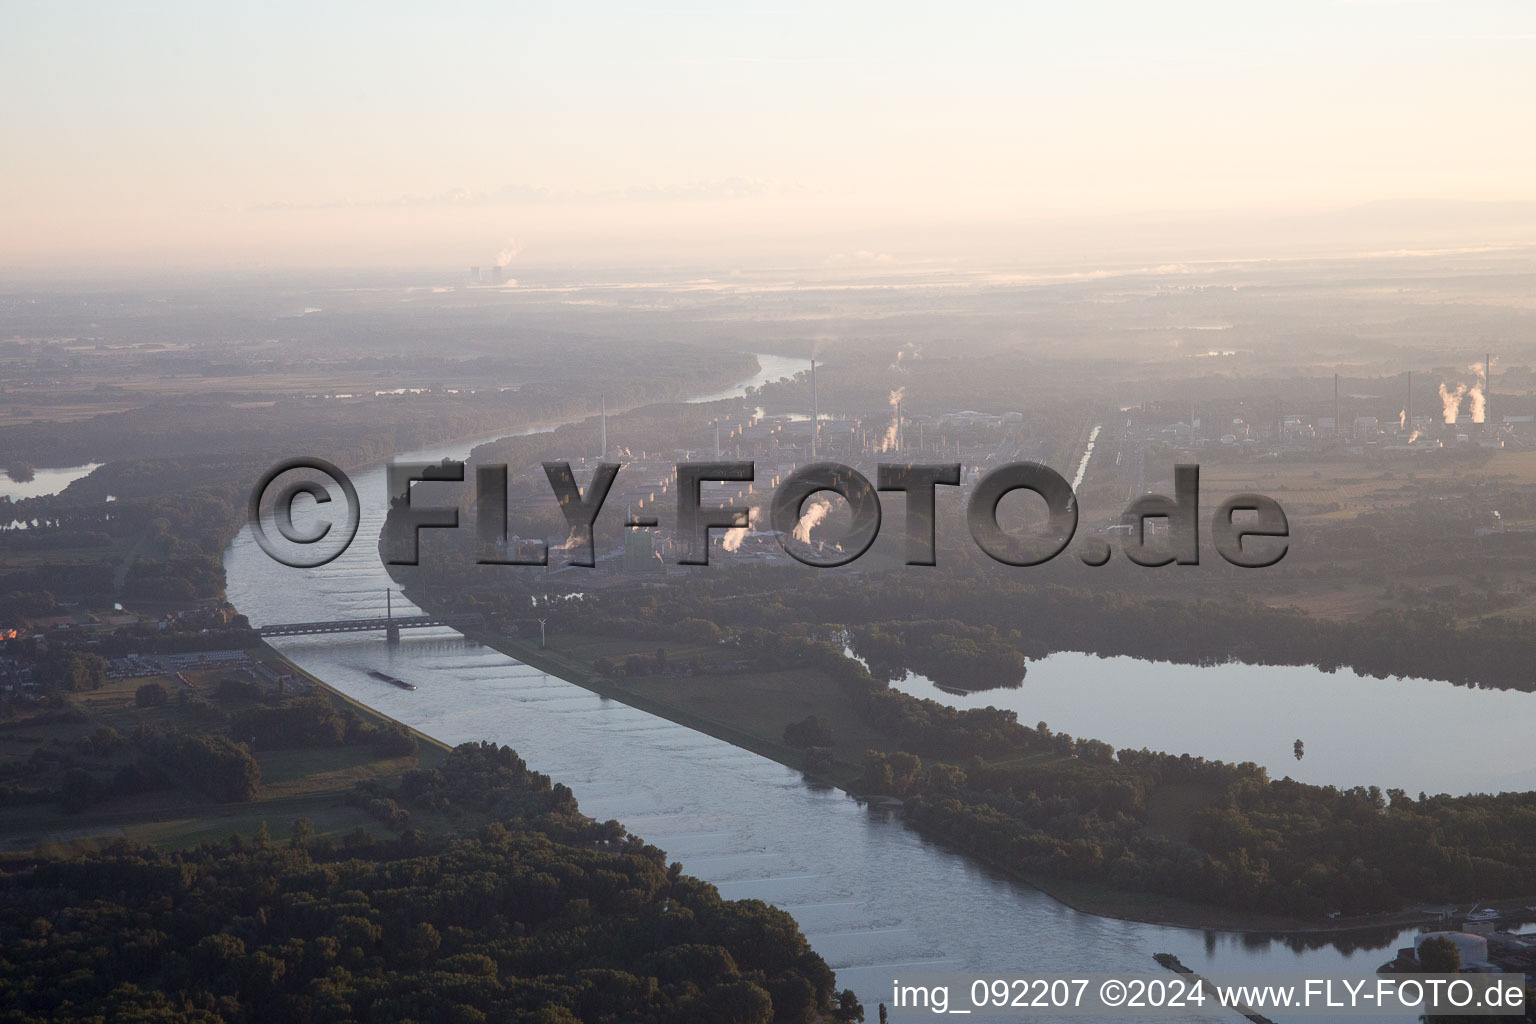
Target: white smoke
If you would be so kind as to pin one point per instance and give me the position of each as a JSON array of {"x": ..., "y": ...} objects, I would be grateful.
[
  {"x": 507, "y": 254},
  {"x": 810, "y": 519},
  {"x": 1475, "y": 394},
  {"x": 734, "y": 536},
  {"x": 1402, "y": 419},
  {"x": 1450, "y": 402},
  {"x": 891, "y": 432}
]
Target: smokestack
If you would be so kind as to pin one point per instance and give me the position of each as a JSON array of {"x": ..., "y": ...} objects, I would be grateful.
[
  {"x": 1336, "y": 423},
  {"x": 717, "y": 440},
  {"x": 1409, "y": 424},
  {"x": 815, "y": 419},
  {"x": 1488, "y": 388},
  {"x": 604, "y": 454},
  {"x": 898, "y": 426}
]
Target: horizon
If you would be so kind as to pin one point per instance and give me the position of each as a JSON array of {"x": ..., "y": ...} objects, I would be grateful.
[{"x": 296, "y": 138}]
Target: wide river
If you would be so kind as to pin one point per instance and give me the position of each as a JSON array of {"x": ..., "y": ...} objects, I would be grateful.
[{"x": 874, "y": 898}]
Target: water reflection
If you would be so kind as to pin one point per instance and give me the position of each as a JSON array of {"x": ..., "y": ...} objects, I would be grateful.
[
  {"x": 43, "y": 482},
  {"x": 1418, "y": 735}
]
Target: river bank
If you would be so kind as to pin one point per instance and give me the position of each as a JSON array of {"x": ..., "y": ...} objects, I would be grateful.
[
  {"x": 748, "y": 728},
  {"x": 272, "y": 654}
]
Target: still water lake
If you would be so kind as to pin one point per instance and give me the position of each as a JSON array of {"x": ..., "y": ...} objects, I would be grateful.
[
  {"x": 44, "y": 481},
  {"x": 1416, "y": 735}
]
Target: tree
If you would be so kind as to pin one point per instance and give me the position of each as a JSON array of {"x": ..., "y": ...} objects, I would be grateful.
[
  {"x": 849, "y": 1008},
  {"x": 738, "y": 1002},
  {"x": 151, "y": 695},
  {"x": 395, "y": 740},
  {"x": 422, "y": 943},
  {"x": 877, "y": 777},
  {"x": 71, "y": 670},
  {"x": 223, "y": 770},
  {"x": 810, "y": 731},
  {"x": 1439, "y": 955},
  {"x": 302, "y": 832}
]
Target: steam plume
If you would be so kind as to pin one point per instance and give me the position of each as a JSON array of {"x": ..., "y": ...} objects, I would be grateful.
[
  {"x": 1475, "y": 394},
  {"x": 735, "y": 535},
  {"x": 810, "y": 518},
  {"x": 891, "y": 432},
  {"x": 1450, "y": 402}
]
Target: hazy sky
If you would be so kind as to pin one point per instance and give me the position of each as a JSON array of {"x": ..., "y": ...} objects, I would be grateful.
[{"x": 412, "y": 134}]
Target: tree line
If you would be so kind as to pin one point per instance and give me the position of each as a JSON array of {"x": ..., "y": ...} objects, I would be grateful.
[{"x": 540, "y": 916}]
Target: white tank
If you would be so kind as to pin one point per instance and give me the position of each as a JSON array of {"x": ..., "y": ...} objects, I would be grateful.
[{"x": 1471, "y": 947}]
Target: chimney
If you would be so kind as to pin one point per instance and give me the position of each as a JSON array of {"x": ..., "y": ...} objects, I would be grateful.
[
  {"x": 1336, "y": 423},
  {"x": 815, "y": 419},
  {"x": 1488, "y": 388},
  {"x": 1409, "y": 424}
]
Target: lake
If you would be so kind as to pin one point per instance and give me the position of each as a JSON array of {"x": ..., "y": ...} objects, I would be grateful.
[
  {"x": 43, "y": 482},
  {"x": 1417, "y": 735}
]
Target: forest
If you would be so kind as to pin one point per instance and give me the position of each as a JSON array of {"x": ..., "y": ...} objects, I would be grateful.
[{"x": 539, "y": 915}]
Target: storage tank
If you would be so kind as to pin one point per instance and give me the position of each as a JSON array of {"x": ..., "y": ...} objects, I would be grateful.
[{"x": 1473, "y": 948}]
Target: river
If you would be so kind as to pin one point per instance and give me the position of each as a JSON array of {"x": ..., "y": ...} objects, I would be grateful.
[{"x": 874, "y": 898}]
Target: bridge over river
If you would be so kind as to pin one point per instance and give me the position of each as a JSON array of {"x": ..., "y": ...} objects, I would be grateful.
[{"x": 391, "y": 625}]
